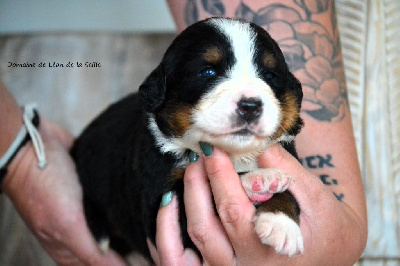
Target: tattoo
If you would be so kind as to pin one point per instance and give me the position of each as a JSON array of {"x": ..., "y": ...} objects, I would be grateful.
[
  {"x": 191, "y": 12},
  {"x": 311, "y": 161},
  {"x": 339, "y": 197},
  {"x": 321, "y": 162},
  {"x": 326, "y": 179},
  {"x": 311, "y": 48}
]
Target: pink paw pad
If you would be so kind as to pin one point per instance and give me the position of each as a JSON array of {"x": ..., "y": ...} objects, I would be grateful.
[
  {"x": 261, "y": 197},
  {"x": 261, "y": 184},
  {"x": 274, "y": 185},
  {"x": 258, "y": 184}
]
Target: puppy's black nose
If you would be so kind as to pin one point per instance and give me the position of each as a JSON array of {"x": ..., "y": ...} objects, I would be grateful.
[{"x": 249, "y": 109}]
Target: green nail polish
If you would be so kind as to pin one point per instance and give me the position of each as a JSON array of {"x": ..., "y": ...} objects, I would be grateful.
[
  {"x": 206, "y": 148},
  {"x": 193, "y": 157},
  {"x": 166, "y": 198}
]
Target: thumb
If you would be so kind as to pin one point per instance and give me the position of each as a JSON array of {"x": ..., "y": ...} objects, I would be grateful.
[
  {"x": 225, "y": 183},
  {"x": 277, "y": 157},
  {"x": 111, "y": 258},
  {"x": 306, "y": 185}
]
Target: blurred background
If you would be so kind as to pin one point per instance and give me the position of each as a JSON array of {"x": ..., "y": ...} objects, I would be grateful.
[{"x": 125, "y": 40}]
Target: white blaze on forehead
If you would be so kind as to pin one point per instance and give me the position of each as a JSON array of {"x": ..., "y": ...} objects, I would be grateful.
[
  {"x": 215, "y": 109},
  {"x": 242, "y": 39}
]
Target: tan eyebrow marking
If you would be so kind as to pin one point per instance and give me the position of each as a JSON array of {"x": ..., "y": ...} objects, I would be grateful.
[
  {"x": 213, "y": 55},
  {"x": 269, "y": 60}
]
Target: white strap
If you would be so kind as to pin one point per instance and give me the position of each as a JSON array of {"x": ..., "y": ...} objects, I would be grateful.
[
  {"x": 27, "y": 127},
  {"x": 13, "y": 147},
  {"x": 34, "y": 134}
]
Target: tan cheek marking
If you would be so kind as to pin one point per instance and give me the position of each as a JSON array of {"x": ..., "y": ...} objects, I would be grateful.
[
  {"x": 182, "y": 120},
  {"x": 178, "y": 118},
  {"x": 290, "y": 113},
  {"x": 177, "y": 174},
  {"x": 269, "y": 60},
  {"x": 213, "y": 55}
]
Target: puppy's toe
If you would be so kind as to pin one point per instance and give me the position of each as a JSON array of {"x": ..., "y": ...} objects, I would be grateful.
[
  {"x": 280, "y": 232},
  {"x": 261, "y": 184}
]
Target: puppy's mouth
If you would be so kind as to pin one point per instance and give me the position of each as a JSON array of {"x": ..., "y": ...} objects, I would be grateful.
[
  {"x": 237, "y": 141},
  {"x": 243, "y": 132}
]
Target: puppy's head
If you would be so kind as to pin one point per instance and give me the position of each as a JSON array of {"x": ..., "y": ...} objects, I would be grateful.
[{"x": 225, "y": 82}]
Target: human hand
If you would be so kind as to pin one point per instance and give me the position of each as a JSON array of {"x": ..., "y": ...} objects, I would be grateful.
[
  {"x": 50, "y": 201},
  {"x": 333, "y": 232}
]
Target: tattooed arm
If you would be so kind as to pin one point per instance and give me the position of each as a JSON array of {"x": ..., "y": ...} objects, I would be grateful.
[{"x": 333, "y": 221}]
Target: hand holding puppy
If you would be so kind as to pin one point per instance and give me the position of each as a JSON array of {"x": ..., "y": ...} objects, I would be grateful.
[
  {"x": 230, "y": 238},
  {"x": 50, "y": 201}
]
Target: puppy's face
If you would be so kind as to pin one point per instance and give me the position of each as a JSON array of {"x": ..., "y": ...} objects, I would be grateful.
[{"x": 224, "y": 82}]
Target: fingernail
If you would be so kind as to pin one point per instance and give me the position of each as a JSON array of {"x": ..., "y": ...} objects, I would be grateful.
[
  {"x": 166, "y": 198},
  {"x": 193, "y": 157},
  {"x": 206, "y": 148}
]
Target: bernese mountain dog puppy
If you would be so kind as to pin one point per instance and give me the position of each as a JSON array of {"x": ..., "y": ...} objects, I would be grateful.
[{"x": 222, "y": 81}]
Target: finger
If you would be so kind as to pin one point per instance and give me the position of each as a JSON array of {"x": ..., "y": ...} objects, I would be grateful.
[
  {"x": 62, "y": 225},
  {"x": 234, "y": 208},
  {"x": 306, "y": 186},
  {"x": 63, "y": 254},
  {"x": 275, "y": 156},
  {"x": 86, "y": 249},
  {"x": 153, "y": 252},
  {"x": 168, "y": 237},
  {"x": 169, "y": 244},
  {"x": 93, "y": 255},
  {"x": 204, "y": 227},
  {"x": 66, "y": 236}
]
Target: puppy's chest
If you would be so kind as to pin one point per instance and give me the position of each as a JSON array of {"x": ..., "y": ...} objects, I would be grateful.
[{"x": 244, "y": 163}]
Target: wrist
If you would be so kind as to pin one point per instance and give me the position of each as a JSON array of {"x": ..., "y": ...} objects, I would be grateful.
[
  {"x": 19, "y": 169},
  {"x": 27, "y": 133}
]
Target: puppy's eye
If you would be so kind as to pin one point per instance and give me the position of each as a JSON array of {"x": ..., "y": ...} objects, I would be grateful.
[
  {"x": 208, "y": 72},
  {"x": 270, "y": 75},
  {"x": 273, "y": 79}
]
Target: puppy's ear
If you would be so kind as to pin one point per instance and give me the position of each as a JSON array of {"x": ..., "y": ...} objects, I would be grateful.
[
  {"x": 295, "y": 86},
  {"x": 152, "y": 90}
]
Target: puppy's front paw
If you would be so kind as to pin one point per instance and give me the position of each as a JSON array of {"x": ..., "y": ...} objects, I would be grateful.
[
  {"x": 261, "y": 184},
  {"x": 280, "y": 232}
]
